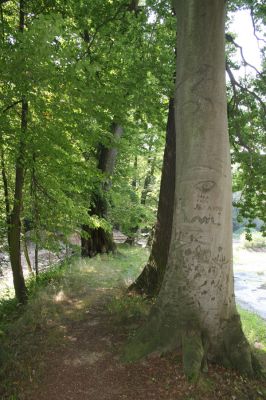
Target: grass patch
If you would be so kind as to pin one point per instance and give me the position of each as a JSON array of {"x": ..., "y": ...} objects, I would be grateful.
[
  {"x": 129, "y": 308},
  {"x": 254, "y": 328}
]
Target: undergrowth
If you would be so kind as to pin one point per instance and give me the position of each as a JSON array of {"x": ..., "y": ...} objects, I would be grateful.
[{"x": 126, "y": 308}]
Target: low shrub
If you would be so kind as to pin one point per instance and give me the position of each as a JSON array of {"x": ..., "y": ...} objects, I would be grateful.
[
  {"x": 126, "y": 308},
  {"x": 257, "y": 241}
]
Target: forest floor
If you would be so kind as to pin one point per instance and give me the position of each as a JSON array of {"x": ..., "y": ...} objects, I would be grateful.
[{"x": 68, "y": 341}]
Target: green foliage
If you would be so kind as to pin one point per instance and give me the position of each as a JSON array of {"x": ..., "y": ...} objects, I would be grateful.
[
  {"x": 127, "y": 213},
  {"x": 253, "y": 241},
  {"x": 246, "y": 110},
  {"x": 71, "y": 62}
]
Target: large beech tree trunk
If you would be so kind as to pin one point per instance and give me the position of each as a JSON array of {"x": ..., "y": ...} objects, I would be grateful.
[
  {"x": 195, "y": 309},
  {"x": 150, "y": 280},
  {"x": 98, "y": 240}
]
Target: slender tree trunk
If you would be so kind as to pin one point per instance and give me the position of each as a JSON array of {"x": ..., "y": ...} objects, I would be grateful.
[
  {"x": 15, "y": 223},
  {"x": 36, "y": 214},
  {"x": 148, "y": 180},
  {"x": 6, "y": 193},
  {"x": 36, "y": 258},
  {"x": 98, "y": 240},
  {"x": 25, "y": 249},
  {"x": 196, "y": 309},
  {"x": 134, "y": 180},
  {"x": 149, "y": 281},
  {"x": 27, "y": 256}
]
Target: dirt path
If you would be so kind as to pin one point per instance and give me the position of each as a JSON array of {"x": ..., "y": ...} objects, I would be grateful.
[{"x": 88, "y": 367}]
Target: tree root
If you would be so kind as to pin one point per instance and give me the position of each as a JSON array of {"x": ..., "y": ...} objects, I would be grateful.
[{"x": 233, "y": 352}]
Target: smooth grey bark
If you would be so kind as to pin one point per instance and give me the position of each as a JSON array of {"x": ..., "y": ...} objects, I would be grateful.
[
  {"x": 196, "y": 309},
  {"x": 98, "y": 240},
  {"x": 150, "y": 280}
]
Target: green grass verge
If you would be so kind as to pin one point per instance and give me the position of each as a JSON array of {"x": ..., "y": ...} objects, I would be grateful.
[{"x": 254, "y": 328}]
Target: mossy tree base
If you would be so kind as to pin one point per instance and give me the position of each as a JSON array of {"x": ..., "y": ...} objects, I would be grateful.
[
  {"x": 149, "y": 281},
  {"x": 231, "y": 350},
  {"x": 98, "y": 241}
]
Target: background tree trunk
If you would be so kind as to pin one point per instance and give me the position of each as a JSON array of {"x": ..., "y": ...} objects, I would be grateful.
[
  {"x": 25, "y": 247},
  {"x": 195, "y": 309},
  {"x": 149, "y": 281},
  {"x": 98, "y": 240},
  {"x": 36, "y": 258},
  {"x": 148, "y": 178},
  {"x": 6, "y": 193},
  {"x": 134, "y": 180}
]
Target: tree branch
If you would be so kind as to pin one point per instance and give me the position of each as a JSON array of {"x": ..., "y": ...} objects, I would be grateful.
[
  {"x": 235, "y": 84},
  {"x": 230, "y": 39},
  {"x": 254, "y": 26},
  {"x": 45, "y": 192},
  {"x": 232, "y": 80},
  {"x": 11, "y": 105},
  {"x": 90, "y": 39}
]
